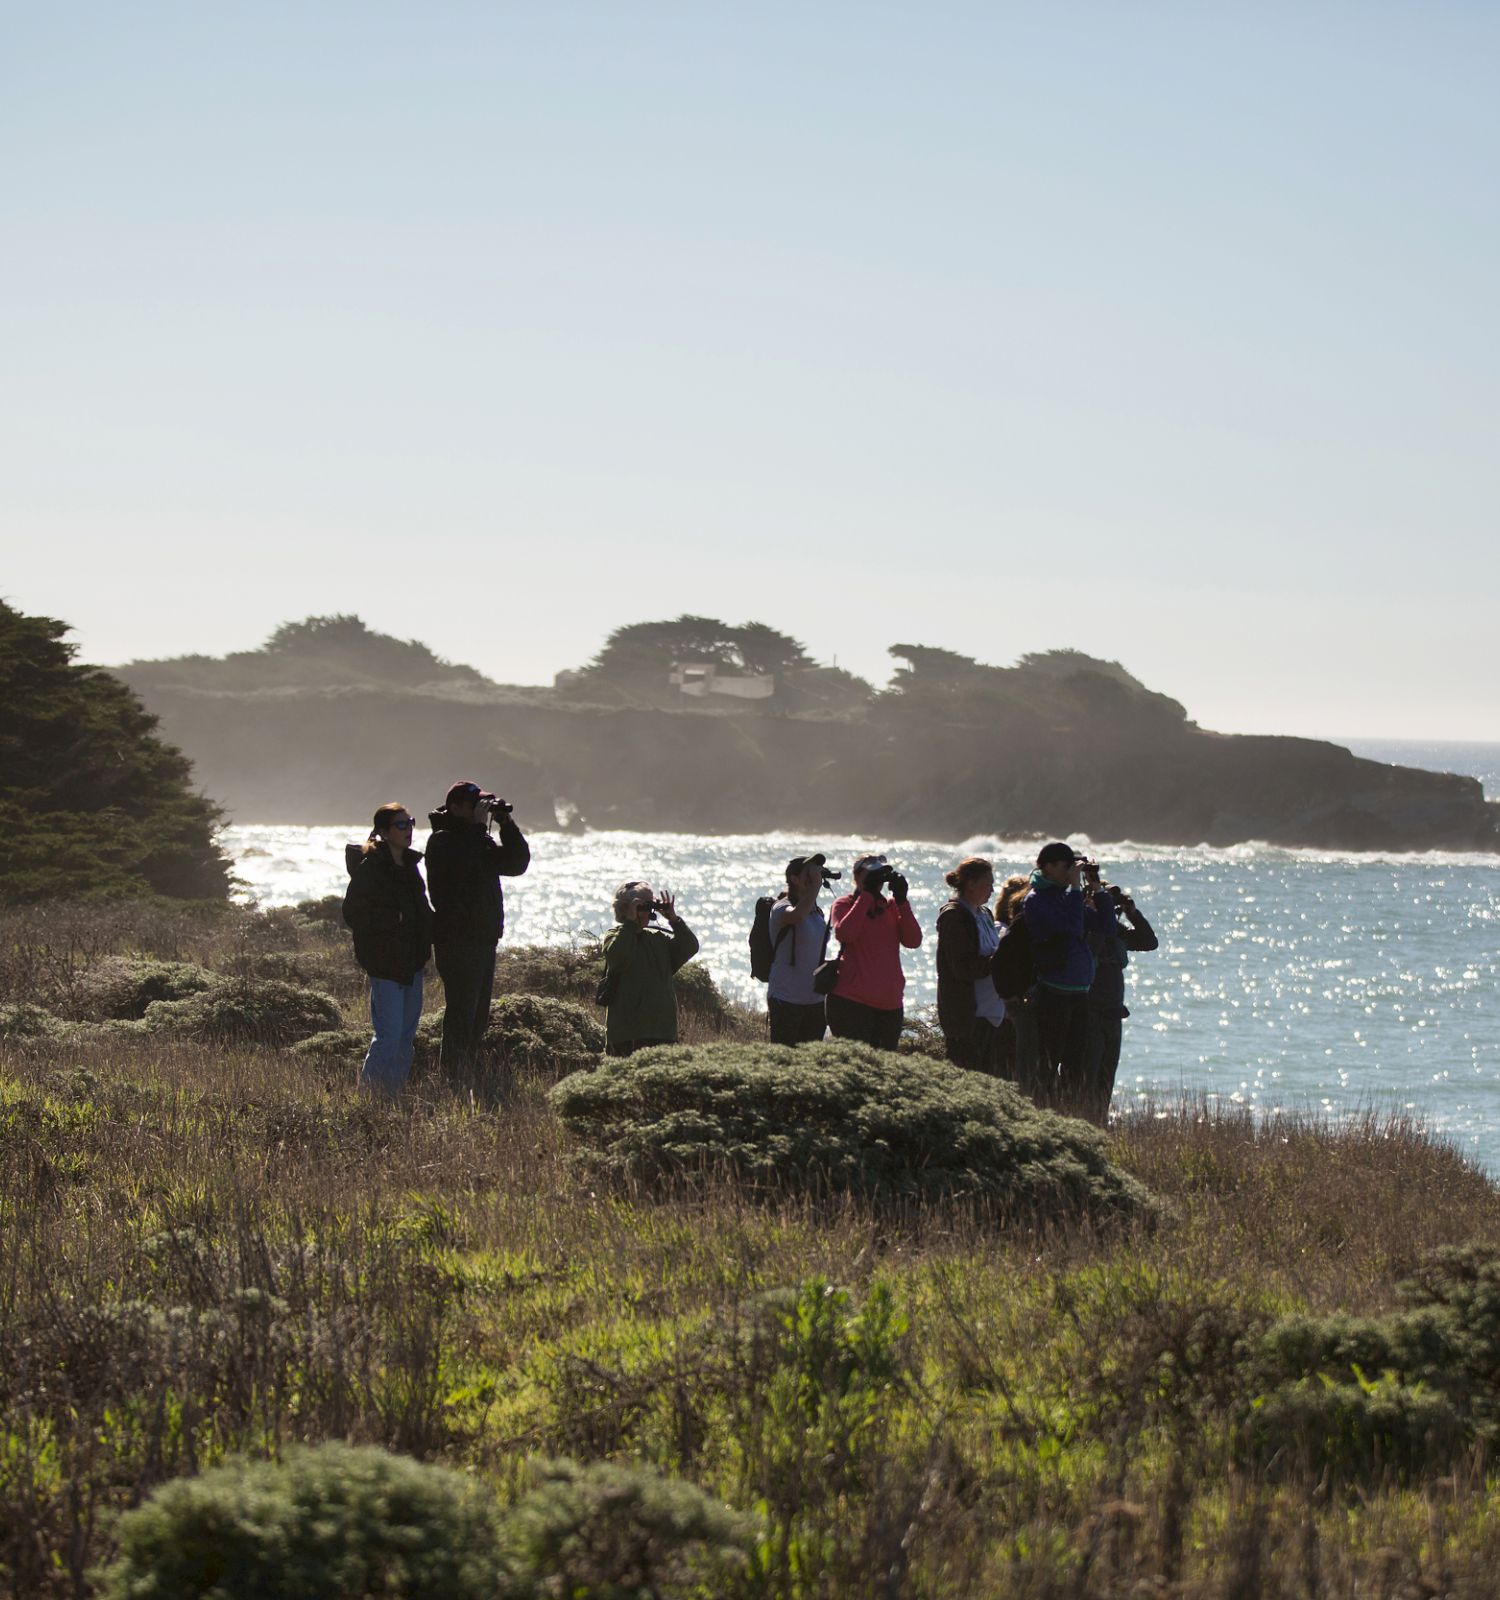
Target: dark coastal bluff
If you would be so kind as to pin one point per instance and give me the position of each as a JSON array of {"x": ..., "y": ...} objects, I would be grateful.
[{"x": 701, "y": 727}]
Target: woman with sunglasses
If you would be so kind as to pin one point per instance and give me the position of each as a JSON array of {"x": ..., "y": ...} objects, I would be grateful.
[{"x": 386, "y": 908}]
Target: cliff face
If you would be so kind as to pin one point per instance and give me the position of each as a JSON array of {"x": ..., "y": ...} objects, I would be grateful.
[{"x": 1102, "y": 758}]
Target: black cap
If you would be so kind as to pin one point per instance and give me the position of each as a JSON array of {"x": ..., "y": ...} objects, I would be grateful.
[
  {"x": 801, "y": 863},
  {"x": 1056, "y": 851}
]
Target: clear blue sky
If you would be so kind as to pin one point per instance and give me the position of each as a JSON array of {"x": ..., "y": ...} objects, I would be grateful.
[{"x": 1170, "y": 332}]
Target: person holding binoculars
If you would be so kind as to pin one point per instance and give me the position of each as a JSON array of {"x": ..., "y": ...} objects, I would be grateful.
[
  {"x": 639, "y": 961},
  {"x": 866, "y": 1002},
  {"x": 464, "y": 868}
]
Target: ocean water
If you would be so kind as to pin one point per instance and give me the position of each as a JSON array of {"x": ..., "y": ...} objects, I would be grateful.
[
  {"x": 1476, "y": 760},
  {"x": 1285, "y": 979}
]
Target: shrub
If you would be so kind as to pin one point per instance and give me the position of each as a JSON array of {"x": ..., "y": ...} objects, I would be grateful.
[
  {"x": 843, "y": 1117},
  {"x": 331, "y": 1521},
  {"x": 336, "y": 1047},
  {"x": 27, "y": 1024},
  {"x": 326, "y": 910},
  {"x": 121, "y": 987},
  {"x": 1364, "y": 1432},
  {"x": 606, "y": 1532},
  {"x": 526, "y": 1032},
  {"x": 246, "y": 1011}
]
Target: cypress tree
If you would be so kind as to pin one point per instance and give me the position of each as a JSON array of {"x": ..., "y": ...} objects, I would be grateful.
[{"x": 95, "y": 803}]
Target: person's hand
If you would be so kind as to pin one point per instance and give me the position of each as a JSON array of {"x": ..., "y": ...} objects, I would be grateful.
[
  {"x": 809, "y": 881},
  {"x": 1075, "y": 876},
  {"x": 898, "y": 889},
  {"x": 666, "y": 903}
]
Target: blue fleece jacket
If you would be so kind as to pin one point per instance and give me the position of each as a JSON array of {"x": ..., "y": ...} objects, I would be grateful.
[{"x": 1059, "y": 922}]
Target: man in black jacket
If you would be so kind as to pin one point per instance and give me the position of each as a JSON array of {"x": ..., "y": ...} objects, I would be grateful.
[{"x": 464, "y": 868}]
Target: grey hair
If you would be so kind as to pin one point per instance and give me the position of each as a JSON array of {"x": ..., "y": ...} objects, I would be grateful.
[{"x": 627, "y": 896}]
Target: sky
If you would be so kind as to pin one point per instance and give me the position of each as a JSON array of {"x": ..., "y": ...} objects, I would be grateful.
[{"x": 1167, "y": 332}]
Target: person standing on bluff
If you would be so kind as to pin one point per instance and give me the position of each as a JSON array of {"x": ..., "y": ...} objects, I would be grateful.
[
  {"x": 1130, "y": 932},
  {"x": 866, "y": 1003},
  {"x": 1060, "y": 916},
  {"x": 386, "y": 909},
  {"x": 464, "y": 868},
  {"x": 639, "y": 962}
]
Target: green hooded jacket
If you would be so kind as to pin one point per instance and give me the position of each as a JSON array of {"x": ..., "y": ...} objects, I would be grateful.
[{"x": 641, "y": 961}]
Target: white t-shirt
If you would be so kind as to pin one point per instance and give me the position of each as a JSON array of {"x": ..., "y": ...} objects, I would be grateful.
[{"x": 987, "y": 1001}]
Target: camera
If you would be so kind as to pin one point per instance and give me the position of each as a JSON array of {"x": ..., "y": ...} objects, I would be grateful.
[{"x": 820, "y": 861}]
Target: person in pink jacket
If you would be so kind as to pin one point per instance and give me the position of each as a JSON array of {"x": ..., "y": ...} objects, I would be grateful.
[{"x": 866, "y": 1001}]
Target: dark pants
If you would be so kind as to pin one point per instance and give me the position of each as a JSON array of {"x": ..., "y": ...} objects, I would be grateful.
[
  {"x": 628, "y": 1047},
  {"x": 849, "y": 1019},
  {"x": 1101, "y": 1061},
  {"x": 468, "y": 973},
  {"x": 980, "y": 1050},
  {"x": 1020, "y": 1049},
  {"x": 1062, "y": 1032},
  {"x": 794, "y": 1024}
]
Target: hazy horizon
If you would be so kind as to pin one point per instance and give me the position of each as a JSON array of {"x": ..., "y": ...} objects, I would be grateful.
[{"x": 1160, "y": 333}]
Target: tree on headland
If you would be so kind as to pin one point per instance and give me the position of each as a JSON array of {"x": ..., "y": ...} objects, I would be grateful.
[
  {"x": 641, "y": 654},
  {"x": 95, "y": 803},
  {"x": 327, "y": 652}
]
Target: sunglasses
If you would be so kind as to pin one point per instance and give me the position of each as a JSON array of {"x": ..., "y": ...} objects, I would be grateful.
[{"x": 403, "y": 824}]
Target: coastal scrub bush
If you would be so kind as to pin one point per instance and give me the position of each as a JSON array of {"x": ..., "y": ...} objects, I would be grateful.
[
  {"x": 246, "y": 1011},
  {"x": 528, "y": 1033},
  {"x": 121, "y": 987},
  {"x": 334, "y": 1521},
  {"x": 608, "y": 1532},
  {"x": 335, "y": 1047},
  {"x": 1365, "y": 1432},
  {"x": 840, "y": 1117},
  {"x": 25, "y": 1024}
]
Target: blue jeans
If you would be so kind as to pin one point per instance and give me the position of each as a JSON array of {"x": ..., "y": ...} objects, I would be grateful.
[{"x": 395, "y": 1010}]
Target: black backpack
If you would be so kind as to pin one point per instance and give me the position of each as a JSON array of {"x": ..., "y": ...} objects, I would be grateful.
[
  {"x": 1014, "y": 966},
  {"x": 762, "y": 951}
]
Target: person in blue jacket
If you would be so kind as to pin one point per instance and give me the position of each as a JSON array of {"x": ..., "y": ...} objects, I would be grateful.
[{"x": 1060, "y": 915}]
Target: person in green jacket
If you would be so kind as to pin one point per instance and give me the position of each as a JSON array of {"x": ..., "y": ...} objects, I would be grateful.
[{"x": 639, "y": 961}]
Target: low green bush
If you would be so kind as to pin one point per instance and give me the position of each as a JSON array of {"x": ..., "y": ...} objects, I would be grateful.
[
  {"x": 1365, "y": 1432},
  {"x": 27, "y": 1024},
  {"x": 840, "y": 1117},
  {"x": 327, "y": 910},
  {"x": 246, "y": 1011},
  {"x": 607, "y": 1532},
  {"x": 334, "y": 1522},
  {"x": 119, "y": 988},
  {"x": 336, "y": 1047},
  {"x": 534, "y": 1034}
]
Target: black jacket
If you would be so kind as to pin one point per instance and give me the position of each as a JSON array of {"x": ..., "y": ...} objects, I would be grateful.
[
  {"x": 959, "y": 967},
  {"x": 1112, "y": 952},
  {"x": 386, "y": 907},
  {"x": 464, "y": 868}
]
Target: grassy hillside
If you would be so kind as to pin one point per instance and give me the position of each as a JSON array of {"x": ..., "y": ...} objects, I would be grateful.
[{"x": 211, "y": 1248}]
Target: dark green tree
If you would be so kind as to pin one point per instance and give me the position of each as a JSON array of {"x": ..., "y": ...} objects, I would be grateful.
[
  {"x": 642, "y": 653},
  {"x": 96, "y": 804}
]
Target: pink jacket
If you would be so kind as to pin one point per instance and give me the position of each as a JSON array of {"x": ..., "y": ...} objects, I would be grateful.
[{"x": 870, "y": 949}]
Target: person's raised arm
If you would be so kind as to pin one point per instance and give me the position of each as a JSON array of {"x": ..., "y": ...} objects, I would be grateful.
[
  {"x": 509, "y": 855},
  {"x": 684, "y": 944},
  {"x": 1140, "y": 935}
]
